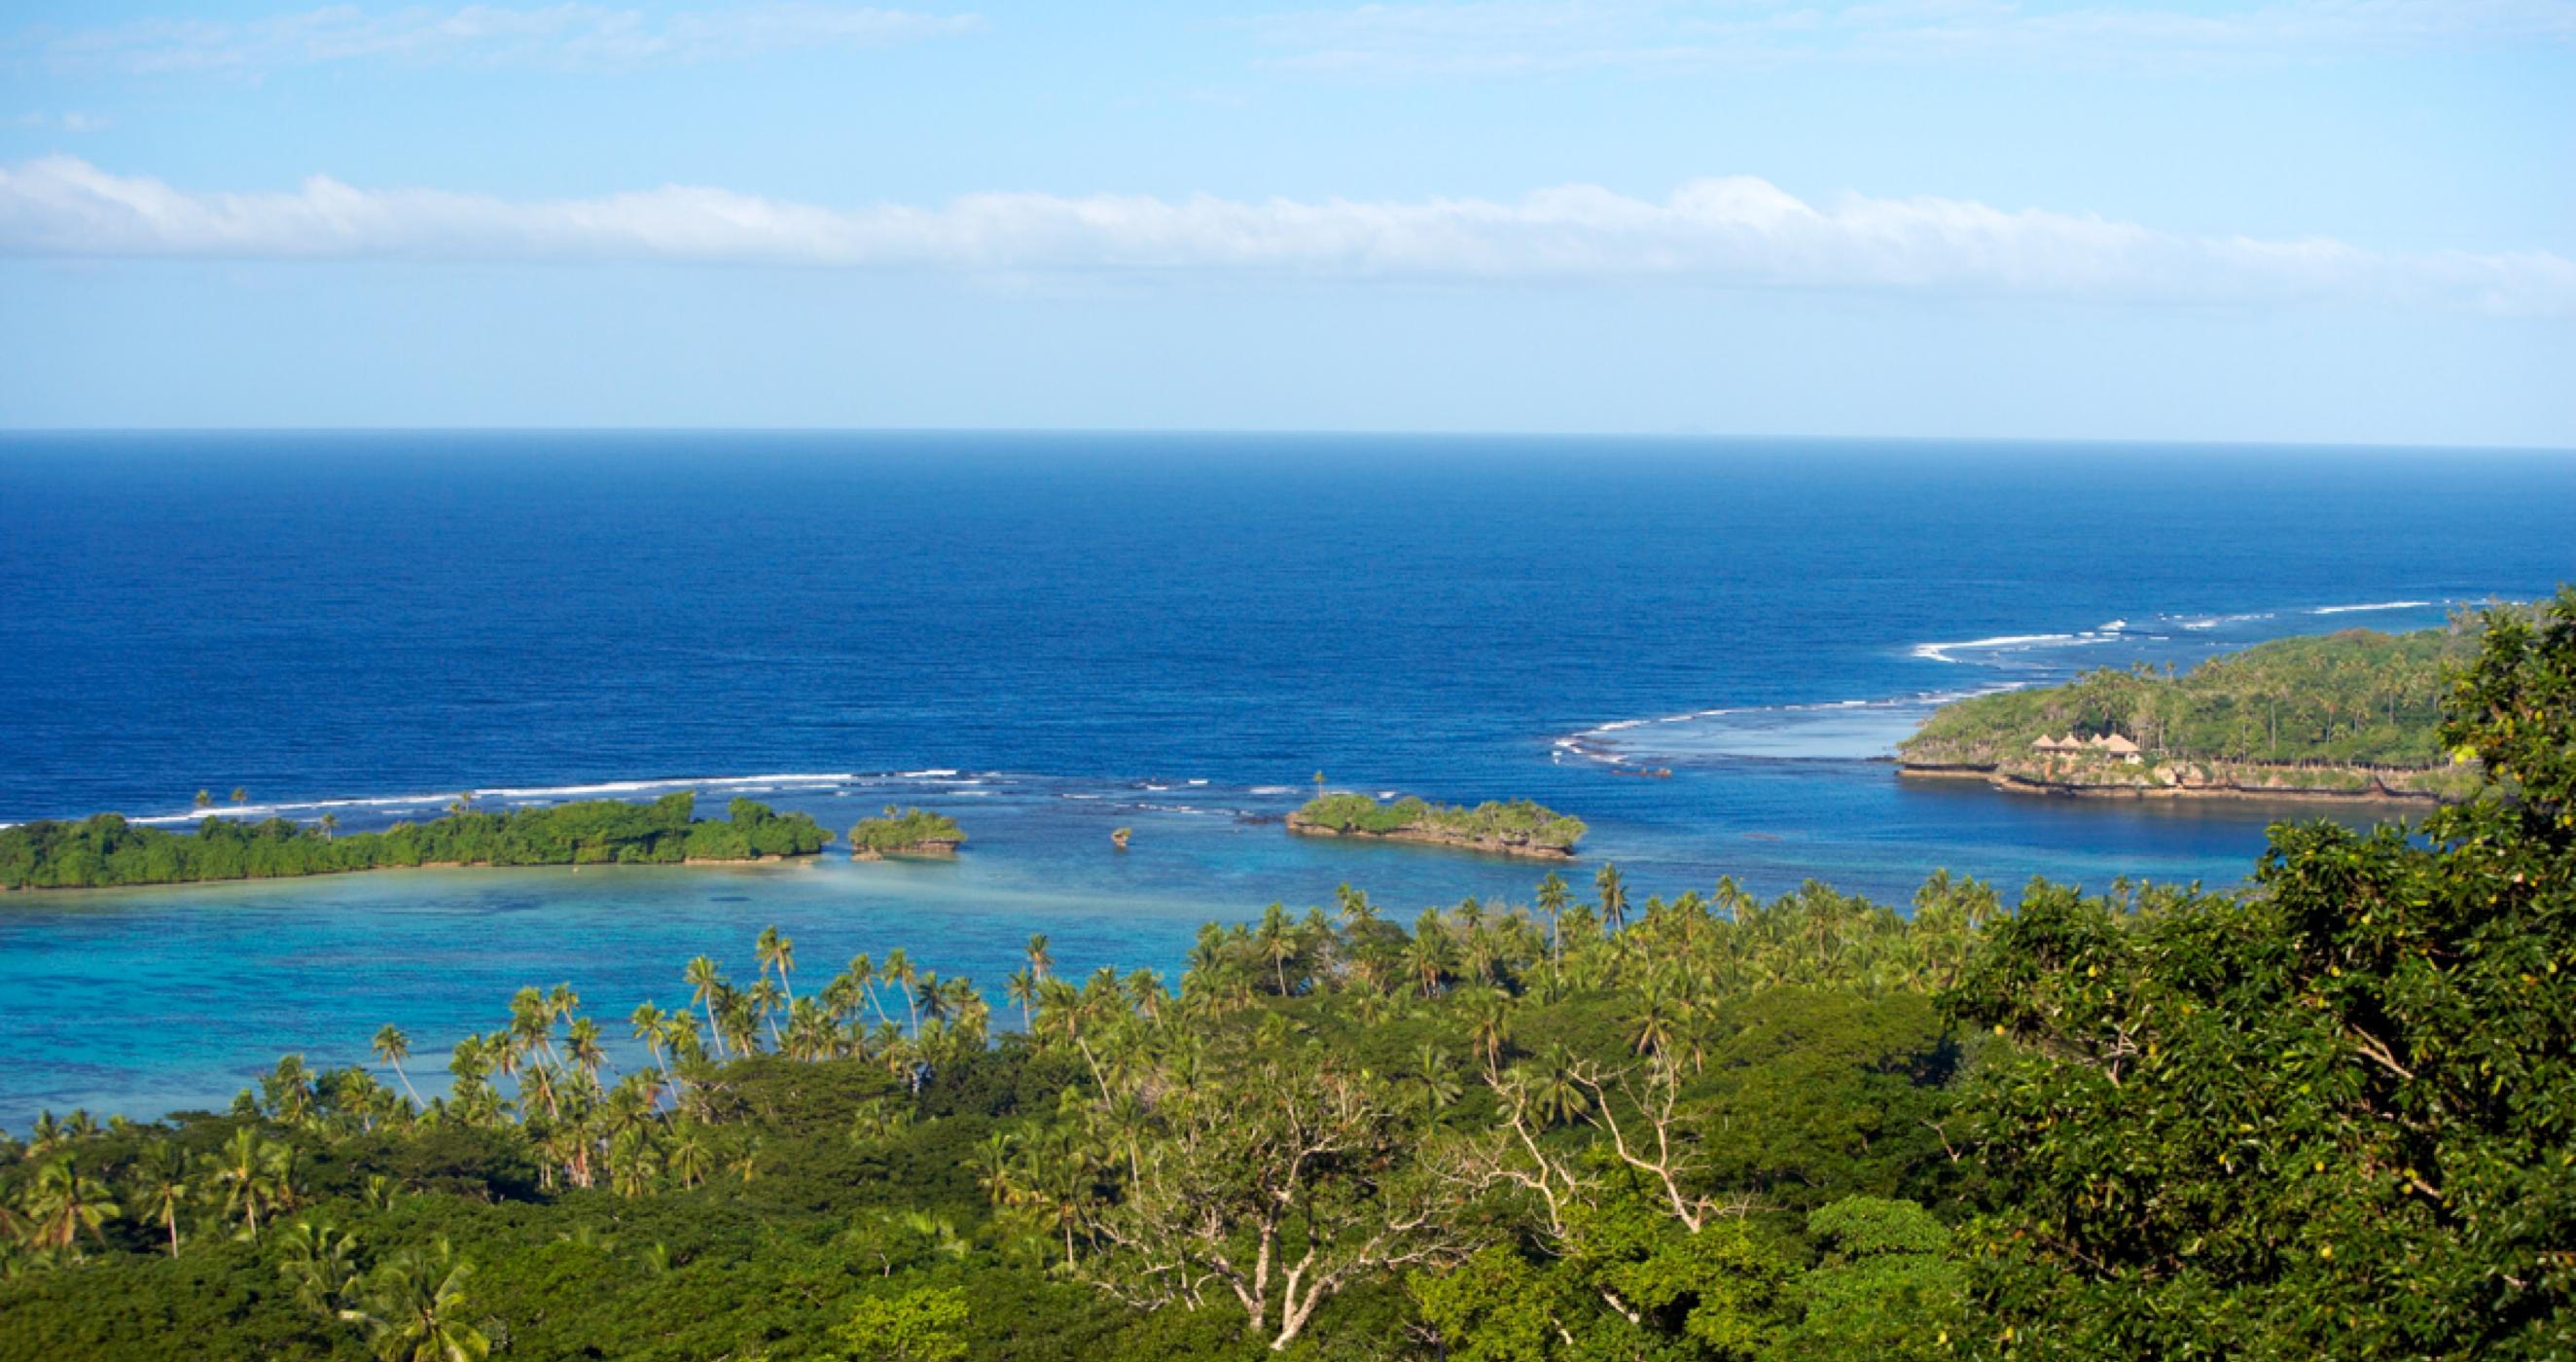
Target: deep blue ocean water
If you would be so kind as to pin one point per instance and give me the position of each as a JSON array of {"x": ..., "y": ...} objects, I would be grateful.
[{"x": 1060, "y": 634}]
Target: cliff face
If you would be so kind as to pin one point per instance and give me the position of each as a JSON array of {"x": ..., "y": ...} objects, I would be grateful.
[
  {"x": 935, "y": 846},
  {"x": 2186, "y": 778},
  {"x": 1427, "y": 836}
]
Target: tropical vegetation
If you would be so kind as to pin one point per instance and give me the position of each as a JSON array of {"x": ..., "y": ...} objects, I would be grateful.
[
  {"x": 901, "y": 831},
  {"x": 1517, "y": 823},
  {"x": 2333, "y": 707},
  {"x": 108, "y": 849},
  {"x": 2329, "y": 1115}
]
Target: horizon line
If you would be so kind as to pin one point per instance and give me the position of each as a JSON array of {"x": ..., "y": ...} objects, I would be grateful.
[{"x": 1316, "y": 432}]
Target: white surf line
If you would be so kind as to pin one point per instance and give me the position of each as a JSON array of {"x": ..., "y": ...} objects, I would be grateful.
[
  {"x": 790, "y": 782},
  {"x": 1582, "y": 743}
]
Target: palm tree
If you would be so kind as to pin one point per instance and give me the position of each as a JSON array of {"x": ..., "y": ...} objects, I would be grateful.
[
  {"x": 1057, "y": 1173},
  {"x": 738, "y": 1013},
  {"x": 1654, "y": 1022},
  {"x": 289, "y": 1089},
  {"x": 1614, "y": 897},
  {"x": 995, "y": 1169},
  {"x": 250, "y": 1173},
  {"x": 330, "y": 826},
  {"x": 1489, "y": 1023},
  {"x": 162, "y": 1176},
  {"x": 779, "y": 952},
  {"x": 205, "y": 799},
  {"x": 1021, "y": 987},
  {"x": 964, "y": 1007},
  {"x": 689, "y": 1159},
  {"x": 631, "y": 1163},
  {"x": 1039, "y": 960},
  {"x": 680, "y": 1033},
  {"x": 704, "y": 978},
  {"x": 1354, "y": 906},
  {"x": 532, "y": 1023},
  {"x": 863, "y": 972},
  {"x": 1440, "y": 1087},
  {"x": 581, "y": 1045},
  {"x": 1145, "y": 991},
  {"x": 413, "y": 1308},
  {"x": 64, "y": 1201},
  {"x": 320, "y": 1263},
  {"x": 930, "y": 996},
  {"x": 648, "y": 1022},
  {"x": 765, "y": 999},
  {"x": 1278, "y": 944},
  {"x": 1553, "y": 1089},
  {"x": 240, "y": 795},
  {"x": 811, "y": 1033},
  {"x": 1551, "y": 905},
  {"x": 898, "y": 970},
  {"x": 1426, "y": 958},
  {"x": 393, "y": 1047}
]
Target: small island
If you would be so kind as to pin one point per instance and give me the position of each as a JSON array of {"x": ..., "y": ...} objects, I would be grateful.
[
  {"x": 906, "y": 832},
  {"x": 2347, "y": 716},
  {"x": 107, "y": 850},
  {"x": 1517, "y": 828}
]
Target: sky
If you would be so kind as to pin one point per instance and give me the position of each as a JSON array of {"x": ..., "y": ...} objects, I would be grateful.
[{"x": 2328, "y": 221}]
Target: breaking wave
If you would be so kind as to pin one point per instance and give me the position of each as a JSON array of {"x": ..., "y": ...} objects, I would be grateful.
[{"x": 1865, "y": 728}]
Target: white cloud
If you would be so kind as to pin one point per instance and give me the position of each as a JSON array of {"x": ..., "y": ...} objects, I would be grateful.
[
  {"x": 1536, "y": 37},
  {"x": 1733, "y": 232},
  {"x": 72, "y": 120},
  {"x": 568, "y": 35}
]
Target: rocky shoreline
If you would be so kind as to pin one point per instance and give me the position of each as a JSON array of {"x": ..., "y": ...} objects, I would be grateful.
[
  {"x": 933, "y": 849},
  {"x": 1491, "y": 846},
  {"x": 2377, "y": 790}
]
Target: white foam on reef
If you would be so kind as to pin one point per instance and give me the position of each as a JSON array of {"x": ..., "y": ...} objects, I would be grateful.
[
  {"x": 611, "y": 789},
  {"x": 1192, "y": 810},
  {"x": 2200, "y": 623},
  {"x": 1940, "y": 652},
  {"x": 1271, "y": 789},
  {"x": 1601, "y": 743},
  {"x": 838, "y": 784},
  {"x": 2374, "y": 605}
]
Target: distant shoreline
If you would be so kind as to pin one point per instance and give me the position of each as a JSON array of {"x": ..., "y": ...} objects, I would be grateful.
[{"x": 693, "y": 862}]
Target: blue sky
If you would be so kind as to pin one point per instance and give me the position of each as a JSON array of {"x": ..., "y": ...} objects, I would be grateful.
[{"x": 2306, "y": 220}]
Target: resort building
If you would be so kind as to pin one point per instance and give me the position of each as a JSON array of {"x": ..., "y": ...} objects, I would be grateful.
[{"x": 2114, "y": 745}]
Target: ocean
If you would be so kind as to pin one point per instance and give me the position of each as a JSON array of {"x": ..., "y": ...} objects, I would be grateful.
[{"x": 1053, "y": 635}]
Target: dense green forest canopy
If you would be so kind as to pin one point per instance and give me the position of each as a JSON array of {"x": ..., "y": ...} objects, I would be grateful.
[
  {"x": 904, "y": 830},
  {"x": 2329, "y": 1116},
  {"x": 108, "y": 850},
  {"x": 2356, "y": 696},
  {"x": 1519, "y": 821}
]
